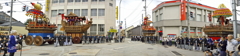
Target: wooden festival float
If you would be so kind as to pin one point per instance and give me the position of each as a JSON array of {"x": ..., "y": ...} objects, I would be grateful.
[
  {"x": 75, "y": 26},
  {"x": 221, "y": 29},
  {"x": 40, "y": 30},
  {"x": 147, "y": 29}
]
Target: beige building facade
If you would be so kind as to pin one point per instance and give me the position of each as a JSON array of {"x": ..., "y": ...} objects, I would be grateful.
[
  {"x": 167, "y": 17},
  {"x": 102, "y": 12},
  {"x": 16, "y": 25}
]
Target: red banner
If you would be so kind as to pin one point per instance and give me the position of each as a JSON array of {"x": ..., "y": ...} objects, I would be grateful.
[{"x": 62, "y": 16}]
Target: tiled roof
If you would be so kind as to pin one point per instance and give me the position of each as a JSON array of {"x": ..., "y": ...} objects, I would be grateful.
[{"x": 15, "y": 23}]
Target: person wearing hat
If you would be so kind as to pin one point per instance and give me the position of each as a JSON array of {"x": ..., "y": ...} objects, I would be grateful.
[{"x": 12, "y": 43}]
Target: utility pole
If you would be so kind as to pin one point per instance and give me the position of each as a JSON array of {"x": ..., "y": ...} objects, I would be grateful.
[
  {"x": 145, "y": 7},
  {"x": 141, "y": 26},
  {"x": 125, "y": 24},
  {"x": 119, "y": 30},
  {"x": 188, "y": 18},
  {"x": 125, "y": 28},
  {"x": 10, "y": 25},
  {"x": 234, "y": 18}
]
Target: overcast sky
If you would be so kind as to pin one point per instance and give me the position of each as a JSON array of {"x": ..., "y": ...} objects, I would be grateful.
[{"x": 131, "y": 10}]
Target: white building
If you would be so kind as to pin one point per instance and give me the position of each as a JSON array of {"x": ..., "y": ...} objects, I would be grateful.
[
  {"x": 169, "y": 17},
  {"x": 102, "y": 12}
]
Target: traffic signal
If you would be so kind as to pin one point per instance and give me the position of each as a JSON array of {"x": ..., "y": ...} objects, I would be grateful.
[
  {"x": 6, "y": 3},
  {"x": 191, "y": 14},
  {"x": 117, "y": 12},
  {"x": 24, "y": 8},
  {"x": 160, "y": 33}
]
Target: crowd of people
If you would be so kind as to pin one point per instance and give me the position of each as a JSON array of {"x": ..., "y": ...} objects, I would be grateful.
[
  {"x": 148, "y": 39},
  {"x": 64, "y": 40},
  {"x": 9, "y": 43},
  {"x": 226, "y": 46},
  {"x": 89, "y": 39}
]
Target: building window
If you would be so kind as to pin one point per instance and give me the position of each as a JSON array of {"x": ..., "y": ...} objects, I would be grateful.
[
  {"x": 94, "y": 0},
  {"x": 160, "y": 17},
  {"x": 190, "y": 18},
  {"x": 206, "y": 18},
  {"x": 84, "y": 0},
  {"x": 156, "y": 18},
  {"x": 101, "y": 28},
  {"x": 101, "y": 12},
  {"x": 110, "y": 4},
  {"x": 192, "y": 30},
  {"x": 93, "y": 12},
  {"x": 93, "y": 29},
  {"x": 77, "y": 12},
  {"x": 8, "y": 19},
  {"x": 61, "y": 11},
  {"x": 54, "y": 1},
  {"x": 101, "y": 0},
  {"x": 61, "y": 1},
  {"x": 198, "y": 17},
  {"x": 77, "y": 0},
  {"x": 69, "y": 11},
  {"x": 54, "y": 13},
  {"x": 199, "y": 30},
  {"x": 84, "y": 12},
  {"x": 70, "y": 0}
]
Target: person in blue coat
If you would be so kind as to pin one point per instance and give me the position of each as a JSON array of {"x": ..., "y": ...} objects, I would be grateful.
[
  {"x": 210, "y": 43},
  {"x": 12, "y": 43}
]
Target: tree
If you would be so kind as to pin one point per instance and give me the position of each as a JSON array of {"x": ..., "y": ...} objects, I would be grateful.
[{"x": 28, "y": 20}]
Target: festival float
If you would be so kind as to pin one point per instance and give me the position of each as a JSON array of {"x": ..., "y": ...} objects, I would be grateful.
[
  {"x": 223, "y": 28},
  {"x": 75, "y": 26},
  {"x": 40, "y": 30},
  {"x": 147, "y": 29}
]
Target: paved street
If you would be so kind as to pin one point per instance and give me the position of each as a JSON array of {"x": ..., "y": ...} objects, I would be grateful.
[{"x": 128, "y": 48}]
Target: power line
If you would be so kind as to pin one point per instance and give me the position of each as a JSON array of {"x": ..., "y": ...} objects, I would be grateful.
[
  {"x": 134, "y": 10},
  {"x": 149, "y": 3},
  {"x": 136, "y": 17}
]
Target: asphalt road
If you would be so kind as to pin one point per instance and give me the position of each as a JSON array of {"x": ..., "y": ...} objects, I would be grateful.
[{"x": 127, "y": 48}]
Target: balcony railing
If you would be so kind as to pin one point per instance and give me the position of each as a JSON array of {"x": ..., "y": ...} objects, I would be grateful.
[
  {"x": 73, "y": 28},
  {"x": 213, "y": 28}
]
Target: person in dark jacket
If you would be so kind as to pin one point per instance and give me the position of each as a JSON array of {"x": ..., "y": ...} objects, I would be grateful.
[
  {"x": 186, "y": 41},
  {"x": 24, "y": 36},
  {"x": 94, "y": 38},
  {"x": 177, "y": 42},
  {"x": 103, "y": 39},
  {"x": 90, "y": 39},
  {"x": 98, "y": 38},
  {"x": 191, "y": 43},
  {"x": 223, "y": 46},
  {"x": 4, "y": 47},
  {"x": 205, "y": 44},
  {"x": 142, "y": 38},
  {"x": 84, "y": 38},
  {"x": 196, "y": 43},
  {"x": 199, "y": 43},
  {"x": 182, "y": 42}
]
